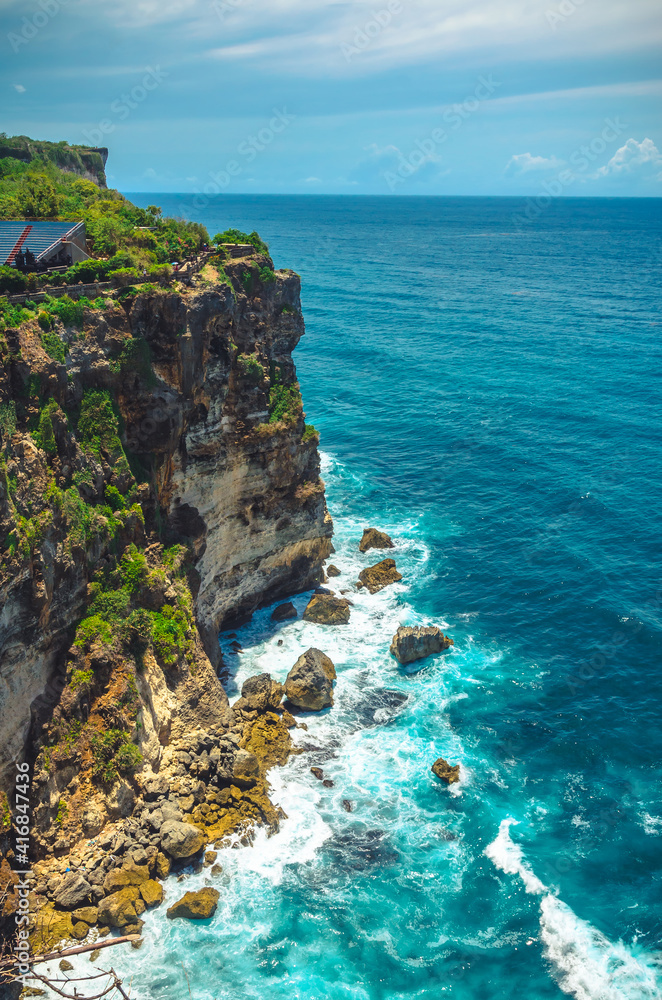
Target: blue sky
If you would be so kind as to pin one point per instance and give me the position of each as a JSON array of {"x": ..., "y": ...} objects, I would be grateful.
[{"x": 302, "y": 96}]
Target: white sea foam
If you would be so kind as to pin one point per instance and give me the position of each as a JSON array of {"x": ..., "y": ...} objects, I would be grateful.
[
  {"x": 586, "y": 964},
  {"x": 652, "y": 824}
]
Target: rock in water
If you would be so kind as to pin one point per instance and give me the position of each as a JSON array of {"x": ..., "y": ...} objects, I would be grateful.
[
  {"x": 309, "y": 684},
  {"x": 195, "y": 905},
  {"x": 411, "y": 644},
  {"x": 325, "y": 610},
  {"x": 373, "y": 539},
  {"x": 332, "y": 571},
  {"x": 450, "y": 773},
  {"x": 283, "y": 612},
  {"x": 375, "y": 578},
  {"x": 181, "y": 840},
  {"x": 260, "y": 694}
]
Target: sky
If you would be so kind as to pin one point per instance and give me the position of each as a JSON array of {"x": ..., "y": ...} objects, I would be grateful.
[{"x": 402, "y": 97}]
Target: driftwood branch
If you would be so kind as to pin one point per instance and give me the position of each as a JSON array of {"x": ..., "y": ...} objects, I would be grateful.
[
  {"x": 81, "y": 949},
  {"x": 116, "y": 984}
]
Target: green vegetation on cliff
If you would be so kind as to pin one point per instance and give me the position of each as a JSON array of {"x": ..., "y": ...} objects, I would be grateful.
[{"x": 120, "y": 235}]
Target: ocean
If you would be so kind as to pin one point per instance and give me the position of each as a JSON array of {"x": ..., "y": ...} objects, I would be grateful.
[{"x": 487, "y": 391}]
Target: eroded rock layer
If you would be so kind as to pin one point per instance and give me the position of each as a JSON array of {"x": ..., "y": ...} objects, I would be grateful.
[{"x": 157, "y": 480}]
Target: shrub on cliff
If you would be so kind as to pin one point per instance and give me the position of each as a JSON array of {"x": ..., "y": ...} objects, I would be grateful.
[
  {"x": 44, "y": 436},
  {"x": 236, "y": 236},
  {"x": 12, "y": 281},
  {"x": 284, "y": 404},
  {"x": 170, "y": 628},
  {"x": 98, "y": 425},
  {"x": 113, "y": 754},
  {"x": 250, "y": 368},
  {"x": 53, "y": 345}
]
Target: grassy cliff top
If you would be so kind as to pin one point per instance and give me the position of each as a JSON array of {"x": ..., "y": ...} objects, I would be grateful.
[
  {"x": 47, "y": 184},
  {"x": 83, "y": 160}
]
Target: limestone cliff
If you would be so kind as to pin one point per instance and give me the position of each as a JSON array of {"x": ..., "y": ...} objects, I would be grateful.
[{"x": 157, "y": 480}]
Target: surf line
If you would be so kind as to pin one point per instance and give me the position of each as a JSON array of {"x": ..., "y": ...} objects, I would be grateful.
[{"x": 587, "y": 965}]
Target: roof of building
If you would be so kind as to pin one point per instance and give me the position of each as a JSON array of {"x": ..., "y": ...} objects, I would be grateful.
[{"x": 38, "y": 237}]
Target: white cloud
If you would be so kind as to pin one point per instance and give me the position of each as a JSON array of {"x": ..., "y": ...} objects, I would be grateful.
[
  {"x": 19, "y": 88},
  {"x": 299, "y": 37},
  {"x": 524, "y": 163},
  {"x": 631, "y": 157}
]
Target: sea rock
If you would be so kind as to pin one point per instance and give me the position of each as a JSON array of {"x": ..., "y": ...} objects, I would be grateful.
[
  {"x": 210, "y": 857},
  {"x": 318, "y": 772},
  {"x": 260, "y": 694},
  {"x": 195, "y": 905},
  {"x": 374, "y": 539},
  {"x": 284, "y": 612},
  {"x": 162, "y": 865},
  {"x": 151, "y": 892},
  {"x": 327, "y": 610},
  {"x": 375, "y": 578},
  {"x": 88, "y": 914},
  {"x": 64, "y": 965},
  {"x": 181, "y": 840},
  {"x": 119, "y": 909},
  {"x": 309, "y": 684},
  {"x": 246, "y": 768},
  {"x": 73, "y": 892},
  {"x": 332, "y": 571},
  {"x": 450, "y": 773},
  {"x": 129, "y": 874},
  {"x": 217, "y": 870},
  {"x": 415, "y": 643}
]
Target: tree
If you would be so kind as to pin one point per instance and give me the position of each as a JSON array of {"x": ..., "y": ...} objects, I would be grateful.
[{"x": 37, "y": 197}]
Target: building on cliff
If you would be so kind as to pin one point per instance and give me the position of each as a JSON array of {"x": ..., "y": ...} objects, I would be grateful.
[{"x": 36, "y": 246}]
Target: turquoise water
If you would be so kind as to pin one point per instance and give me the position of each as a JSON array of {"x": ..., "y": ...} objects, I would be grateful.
[{"x": 490, "y": 396}]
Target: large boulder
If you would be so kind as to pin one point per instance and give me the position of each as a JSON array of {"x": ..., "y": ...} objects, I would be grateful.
[
  {"x": 129, "y": 874},
  {"x": 181, "y": 840},
  {"x": 415, "y": 643},
  {"x": 284, "y": 612},
  {"x": 121, "y": 908},
  {"x": 448, "y": 773},
  {"x": 309, "y": 684},
  {"x": 260, "y": 694},
  {"x": 195, "y": 905},
  {"x": 246, "y": 767},
  {"x": 375, "y": 578},
  {"x": 324, "y": 609},
  {"x": 151, "y": 892},
  {"x": 75, "y": 891},
  {"x": 373, "y": 539}
]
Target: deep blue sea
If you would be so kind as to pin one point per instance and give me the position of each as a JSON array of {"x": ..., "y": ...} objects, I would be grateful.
[{"x": 488, "y": 392}]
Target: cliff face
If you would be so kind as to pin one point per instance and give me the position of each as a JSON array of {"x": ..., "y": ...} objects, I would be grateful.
[
  {"x": 88, "y": 162},
  {"x": 157, "y": 483}
]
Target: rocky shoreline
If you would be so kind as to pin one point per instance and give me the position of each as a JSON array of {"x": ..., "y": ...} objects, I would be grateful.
[
  {"x": 211, "y": 788},
  {"x": 157, "y": 482}
]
